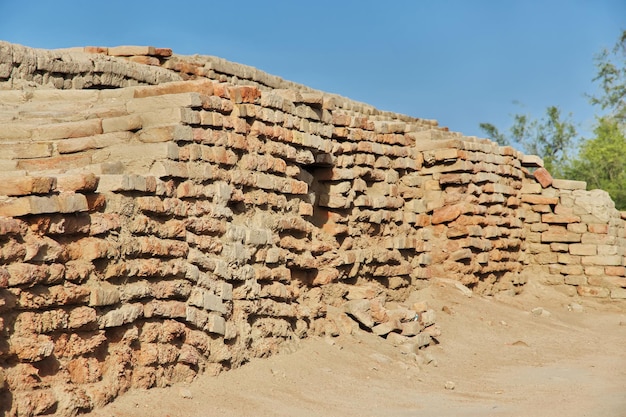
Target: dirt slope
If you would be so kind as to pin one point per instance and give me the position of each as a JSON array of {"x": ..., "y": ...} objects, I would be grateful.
[{"x": 499, "y": 356}]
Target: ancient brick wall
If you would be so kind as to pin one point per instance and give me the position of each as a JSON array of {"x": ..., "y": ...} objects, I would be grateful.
[
  {"x": 575, "y": 239},
  {"x": 162, "y": 216}
]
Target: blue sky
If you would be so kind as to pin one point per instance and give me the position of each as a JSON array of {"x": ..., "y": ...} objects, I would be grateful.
[{"x": 461, "y": 62}]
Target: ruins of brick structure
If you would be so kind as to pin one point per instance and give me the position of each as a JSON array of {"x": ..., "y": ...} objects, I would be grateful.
[{"x": 166, "y": 215}]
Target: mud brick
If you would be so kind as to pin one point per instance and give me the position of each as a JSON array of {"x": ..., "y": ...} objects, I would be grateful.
[
  {"x": 95, "y": 202},
  {"x": 615, "y": 271},
  {"x": 569, "y": 184},
  {"x": 26, "y": 150},
  {"x": 163, "y": 169},
  {"x": 532, "y": 161},
  {"x": 153, "y": 246},
  {"x": 244, "y": 94},
  {"x": 559, "y": 219},
  {"x": 201, "y": 86},
  {"x": 77, "y": 182},
  {"x": 163, "y": 52},
  {"x": 170, "y": 116},
  {"x": 458, "y": 166},
  {"x": 539, "y": 199},
  {"x": 219, "y": 155},
  {"x": 67, "y": 130},
  {"x": 598, "y": 228},
  {"x": 206, "y": 300},
  {"x": 583, "y": 249},
  {"x": 297, "y": 187},
  {"x": 598, "y": 239},
  {"x": 127, "y": 50},
  {"x": 157, "y": 103},
  {"x": 607, "y": 260},
  {"x": 145, "y": 60},
  {"x": 69, "y": 202},
  {"x": 26, "y": 185},
  {"x": 127, "y": 313},
  {"x": 305, "y": 209},
  {"x": 531, "y": 188},
  {"x": 560, "y": 234},
  {"x": 96, "y": 50},
  {"x": 93, "y": 142},
  {"x": 122, "y": 123},
  {"x": 104, "y": 294},
  {"x": 447, "y": 214},
  {"x": 108, "y": 183},
  {"x": 608, "y": 250},
  {"x": 62, "y": 162},
  {"x": 618, "y": 293},
  {"x": 22, "y": 274},
  {"x": 15, "y": 207},
  {"x": 543, "y": 177},
  {"x": 571, "y": 270},
  {"x": 588, "y": 291},
  {"x": 577, "y": 227}
]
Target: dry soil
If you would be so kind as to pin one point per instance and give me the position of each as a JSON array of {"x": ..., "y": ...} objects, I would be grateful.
[{"x": 539, "y": 353}]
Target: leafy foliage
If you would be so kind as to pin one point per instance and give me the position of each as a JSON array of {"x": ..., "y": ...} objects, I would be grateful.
[
  {"x": 611, "y": 75},
  {"x": 599, "y": 160},
  {"x": 550, "y": 137}
]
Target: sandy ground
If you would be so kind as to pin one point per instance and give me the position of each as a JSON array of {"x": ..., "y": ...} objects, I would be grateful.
[{"x": 500, "y": 358}]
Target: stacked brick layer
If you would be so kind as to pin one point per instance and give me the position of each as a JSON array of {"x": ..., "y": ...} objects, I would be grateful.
[{"x": 152, "y": 232}]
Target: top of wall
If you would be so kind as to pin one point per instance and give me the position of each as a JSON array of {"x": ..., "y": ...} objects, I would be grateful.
[{"x": 125, "y": 66}]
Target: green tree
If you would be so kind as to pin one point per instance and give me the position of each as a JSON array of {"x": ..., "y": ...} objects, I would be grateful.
[
  {"x": 611, "y": 65},
  {"x": 601, "y": 161},
  {"x": 550, "y": 137}
]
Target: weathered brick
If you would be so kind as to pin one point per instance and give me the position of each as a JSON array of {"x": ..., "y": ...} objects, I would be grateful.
[
  {"x": 588, "y": 291},
  {"x": 129, "y": 122},
  {"x": 577, "y": 228},
  {"x": 127, "y": 50},
  {"x": 602, "y": 228},
  {"x": 156, "y": 103},
  {"x": 575, "y": 280},
  {"x": 569, "y": 184},
  {"x": 616, "y": 271},
  {"x": 559, "y": 218},
  {"x": 608, "y": 260},
  {"x": 539, "y": 199},
  {"x": 68, "y": 130},
  {"x": 560, "y": 235},
  {"x": 543, "y": 177},
  {"x": 15, "y": 207},
  {"x": 26, "y": 185},
  {"x": 77, "y": 182},
  {"x": 583, "y": 249}
]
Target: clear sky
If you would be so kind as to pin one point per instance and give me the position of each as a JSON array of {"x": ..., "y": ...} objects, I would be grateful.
[{"x": 461, "y": 62}]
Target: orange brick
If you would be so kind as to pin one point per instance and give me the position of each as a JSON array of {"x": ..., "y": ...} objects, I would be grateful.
[
  {"x": 559, "y": 218},
  {"x": 615, "y": 271},
  {"x": 96, "y": 50},
  {"x": 446, "y": 214},
  {"x": 165, "y": 52},
  {"x": 539, "y": 199},
  {"x": 598, "y": 228},
  {"x": 543, "y": 177},
  {"x": 26, "y": 185}
]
